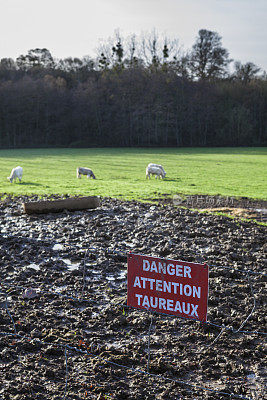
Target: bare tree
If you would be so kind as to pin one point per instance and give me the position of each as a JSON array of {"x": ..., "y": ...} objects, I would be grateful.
[
  {"x": 208, "y": 58},
  {"x": 245, "y": 72},
  {"x": 36, "y": 58}
]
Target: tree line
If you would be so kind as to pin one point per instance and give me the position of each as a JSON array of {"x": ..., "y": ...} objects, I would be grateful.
[{"x": 136, "y": 92}]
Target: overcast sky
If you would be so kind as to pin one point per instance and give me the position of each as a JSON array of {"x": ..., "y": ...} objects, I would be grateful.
[{"x": 75, "y": 27}]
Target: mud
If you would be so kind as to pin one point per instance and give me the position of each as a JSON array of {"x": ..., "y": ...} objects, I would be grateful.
[{"x": 65, "y": 330}]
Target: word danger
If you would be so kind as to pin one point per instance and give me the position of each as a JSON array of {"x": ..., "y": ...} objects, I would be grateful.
[
  {"x": 168, "y": 286},
  {"x": 164, "y": 268}
]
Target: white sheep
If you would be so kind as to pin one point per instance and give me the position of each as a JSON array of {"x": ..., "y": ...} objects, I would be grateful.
[
  {"x": 158, "y": 166},
  {"x": 155, "y": 170},
  {"x": 85, "y": 171},
  {"x": 15, "y": 173}
]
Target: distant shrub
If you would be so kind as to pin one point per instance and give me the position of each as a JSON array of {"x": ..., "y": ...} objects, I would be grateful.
[{"x": 81, "y": 144}]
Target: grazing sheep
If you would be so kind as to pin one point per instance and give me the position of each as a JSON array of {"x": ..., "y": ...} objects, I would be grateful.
[
  {"x": 85, "y": 171},
  {"x": 158, "y": 166},
  {"x": 15, "y": 173},
  {"x": 152, "y": 170}
]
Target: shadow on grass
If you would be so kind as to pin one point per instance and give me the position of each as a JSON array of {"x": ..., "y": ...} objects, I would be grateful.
[
  {"x": 31, "y": 184},
  {"x": 172, "y": 180},
  {"x": 163, "y": 180}
]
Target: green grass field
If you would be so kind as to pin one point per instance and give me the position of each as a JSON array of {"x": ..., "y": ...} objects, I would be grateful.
[{"x": 120, "y": 172}]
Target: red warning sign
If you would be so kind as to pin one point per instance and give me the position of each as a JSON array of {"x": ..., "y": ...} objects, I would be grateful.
[{"x": 168, "y": 286}]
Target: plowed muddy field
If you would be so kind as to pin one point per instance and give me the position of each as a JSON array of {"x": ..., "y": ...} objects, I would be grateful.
[{"x": 65, "y": 329}]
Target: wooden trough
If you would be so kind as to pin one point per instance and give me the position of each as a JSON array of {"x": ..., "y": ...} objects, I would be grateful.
[{"x": 71, "y": 204}]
